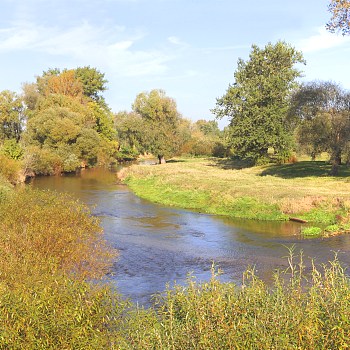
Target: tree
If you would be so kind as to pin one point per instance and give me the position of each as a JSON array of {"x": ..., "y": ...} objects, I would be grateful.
[
  {"x": 64, "y": 83},
  {"x": 340, "y": 21},
  {"x": 67, "y": 123},
  {"x": 324, "y": 111},
  {"x": 11, "y": 116},
  {"x": 160, "y": 121},
  {"x": 93, "y": 81},
  {"x": 257, "y": 103}
]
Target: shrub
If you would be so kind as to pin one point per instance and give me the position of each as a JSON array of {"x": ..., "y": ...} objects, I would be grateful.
[
  {"x": 46, "y": 232},
  {"x": 10, "y": 169}
]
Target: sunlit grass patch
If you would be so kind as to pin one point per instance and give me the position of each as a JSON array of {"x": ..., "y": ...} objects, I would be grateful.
[{"x": 235, "y": 189}]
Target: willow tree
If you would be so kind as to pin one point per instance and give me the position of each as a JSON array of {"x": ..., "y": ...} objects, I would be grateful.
[
  {"x": 324, "y": 112},
  {"x": 160, "y": 120},
  {"x": 67, "y": 125},
  {"x": 256, "y": 104}
]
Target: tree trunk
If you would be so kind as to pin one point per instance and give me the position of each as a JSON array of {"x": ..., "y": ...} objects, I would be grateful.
[
  {"x": 161, "y": 159},
  {"x": 336, "y": 161}
]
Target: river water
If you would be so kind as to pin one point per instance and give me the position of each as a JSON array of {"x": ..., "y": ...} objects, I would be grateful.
[{"x": 159, "y": 244}]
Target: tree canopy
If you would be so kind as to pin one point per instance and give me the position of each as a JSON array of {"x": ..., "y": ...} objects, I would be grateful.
[
  {"x": 324, "y": 112},
  {"x": 68, "y": 125},
  {"x": 257, "y": 102},
  {"x": 160, "y": 122},
  {"x": 340, "y": 21}
]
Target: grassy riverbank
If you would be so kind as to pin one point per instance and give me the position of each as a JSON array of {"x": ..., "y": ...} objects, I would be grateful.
[{"x": 226, "y": 187}]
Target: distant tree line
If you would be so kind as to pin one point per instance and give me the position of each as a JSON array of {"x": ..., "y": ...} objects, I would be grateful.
[{"x": 61, "y": 122}]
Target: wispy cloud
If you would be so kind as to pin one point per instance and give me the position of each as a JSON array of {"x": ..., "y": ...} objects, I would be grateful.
[
  {"x": 104, "y": 47},
  {"x": 322, "y": 40}
]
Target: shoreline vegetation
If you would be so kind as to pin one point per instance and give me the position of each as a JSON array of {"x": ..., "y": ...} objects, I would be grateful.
[
  {"x": 53, "y": 255},
  {"x": 300, "y": 191}
]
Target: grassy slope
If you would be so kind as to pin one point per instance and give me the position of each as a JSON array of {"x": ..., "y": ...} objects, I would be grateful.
[{"x": 229, "y": 188}]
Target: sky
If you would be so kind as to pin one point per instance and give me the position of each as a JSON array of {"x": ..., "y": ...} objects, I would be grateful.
[{"x": 189, "y": 48}]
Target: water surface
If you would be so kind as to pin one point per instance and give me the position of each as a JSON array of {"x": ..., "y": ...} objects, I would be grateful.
[{"x": 160, "y": 244}]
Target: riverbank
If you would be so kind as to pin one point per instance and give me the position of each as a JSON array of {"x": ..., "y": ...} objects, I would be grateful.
[{"x": 224, "y": 187}]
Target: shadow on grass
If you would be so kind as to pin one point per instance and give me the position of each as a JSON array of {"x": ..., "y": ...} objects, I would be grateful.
[
  {"x": 176, "y": 161},
  {"x": 304, "y": 169},
  {"x": 234, "y": 164}
]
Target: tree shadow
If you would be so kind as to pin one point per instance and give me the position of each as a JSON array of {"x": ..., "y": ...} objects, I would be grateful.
[
  {"x": 175, "y": 161},
  {"x": 231, "y": 164},
  {"x": 304, "y": 169}
]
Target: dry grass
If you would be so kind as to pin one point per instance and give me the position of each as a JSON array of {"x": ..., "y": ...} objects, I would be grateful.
[{"x": 293, "y": 188}]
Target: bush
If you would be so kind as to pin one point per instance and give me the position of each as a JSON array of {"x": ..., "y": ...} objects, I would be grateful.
[
  {"x": 50, "y": 247},
  {"x": 12, "y": 149},
  {"x": 10, "y": 169},
  {"x": 46, "y": 232}
]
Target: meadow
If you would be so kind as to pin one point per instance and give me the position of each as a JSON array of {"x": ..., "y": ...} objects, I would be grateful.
[{"x": 302, "y": 190}]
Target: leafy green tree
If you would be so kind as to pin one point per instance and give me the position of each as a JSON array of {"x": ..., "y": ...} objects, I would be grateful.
[
  {"x": 104, "y": 124},
  {"x": 208, "y": 127},
  {"x": 160, "y": 122},
  {"x": 340, "y": 21},
  {"x": 67, "y": 124},
  {"x": 93, "y": 81},
  {"x": 11, "y": 116},
  {"x": 324, "y": 111},
  {"x": 130, "y": 131},
  {"x": 257, "y": 103}
]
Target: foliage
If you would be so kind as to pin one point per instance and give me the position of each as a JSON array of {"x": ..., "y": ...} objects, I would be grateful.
[
  {"x": 68, "y": 125},
  {"x": 203, "y": 139},
  {"x": 10, "y": 169},
  {"x": 299, "y": 310},
  {"x": 65, "y": 84},
  {"x": 160, "y": 122},
  {"x": 11, "y": 116},
  {"x": 257, "y": 102},
  {"x": 130, "y": 131},
  {"x": 61, "y": 232},
  {"x": 12, "y": 149},
  {"x": 103, "y": 122},
  {"x": 50, "y": 245},
  {"x": 311, "y": 231},
  {"x": 93, "y": 82},
  {"x": 340, "y": 21},
  {"x": 324, "y": 111}
]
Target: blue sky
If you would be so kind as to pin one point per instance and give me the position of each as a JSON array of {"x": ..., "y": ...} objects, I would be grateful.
[{"x": 189, "y": 48}]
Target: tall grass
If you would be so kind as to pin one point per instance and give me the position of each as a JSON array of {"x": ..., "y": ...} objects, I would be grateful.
[{"x": 299, "y": 311}]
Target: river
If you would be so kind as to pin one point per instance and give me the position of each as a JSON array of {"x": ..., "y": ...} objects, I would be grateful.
[{"x": 159, "y": 244}]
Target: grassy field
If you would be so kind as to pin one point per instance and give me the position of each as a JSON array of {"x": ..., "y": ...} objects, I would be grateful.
[{"x": 227, "y": 187}]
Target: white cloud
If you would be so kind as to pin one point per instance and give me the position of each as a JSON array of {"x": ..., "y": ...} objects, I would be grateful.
[
  {"x": 99, "y": 46},
  {"x": 321, "y": 41}
]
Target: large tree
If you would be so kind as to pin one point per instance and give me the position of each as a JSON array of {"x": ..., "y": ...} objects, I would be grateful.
[
  {"x": 257, "y": 102},
  {"x": 340, "y": 21},
  {"x": 67, "y": 124},
  {"x": 160, "y": 121},
  {"x": 324, "y": 112}
]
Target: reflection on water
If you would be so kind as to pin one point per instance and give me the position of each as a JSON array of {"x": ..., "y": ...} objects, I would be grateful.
[{"x": 159, "y": 244}]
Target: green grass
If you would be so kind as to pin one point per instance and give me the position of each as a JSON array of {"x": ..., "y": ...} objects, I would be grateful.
[
  {"x": 236, "y": 189},
  {"x": 311, "y": 231}
]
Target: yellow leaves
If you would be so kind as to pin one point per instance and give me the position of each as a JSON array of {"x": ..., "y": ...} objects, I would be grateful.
[{"x": 65, "y": 84}]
